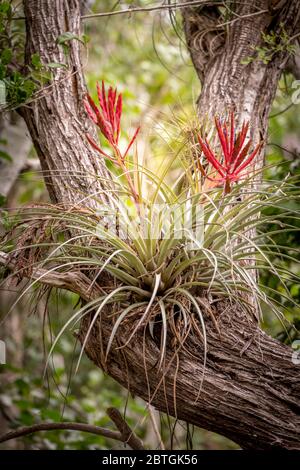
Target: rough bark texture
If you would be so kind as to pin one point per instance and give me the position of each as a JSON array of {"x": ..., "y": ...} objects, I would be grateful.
[
  {"x": 57, "y": 121},
  {"x": 251, "y": 388},
  {"x": 218, "y": 53}
]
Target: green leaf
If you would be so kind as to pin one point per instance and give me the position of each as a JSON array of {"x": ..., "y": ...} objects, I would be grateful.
[
  {"x": 2, "y": 199},
  {"x": 5, "y": 156},
  {"x": 7, "y": 220},
  {"x": 5, "y": 8},
  {"x": 42, "y": 77},
  {"x": 67, "y": 37},
  {"x": 85, "y": 38},
  {"x": 36, "y": 61},
  {"x": 50, "y": 414},
  {"x": 16, "y": 77},
  {"x": 2, "y": 71},
  {"x": 295, "y": 290},
  {"x": 246, "y": 61},
  {"x": 6, "y": 56},
  {"x": 28, "y": 87},
  {"x": 56, "y": 65}
]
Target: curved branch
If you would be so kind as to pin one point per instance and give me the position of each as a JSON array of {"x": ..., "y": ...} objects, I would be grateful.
[
  {"x": 127, "y": 434},
  {"x": 203, "y": 39},
  {"x": 69, "y": 426},
  {"x": 251, "y": 389},
  {"x": 169, "y": 6}
]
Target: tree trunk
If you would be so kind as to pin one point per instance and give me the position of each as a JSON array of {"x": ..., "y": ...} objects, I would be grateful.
[
  {"x": 251, "y": 386},
  {"x": 251, "y": 389},
  {"x": 56, "y": 120},
  {"x": 220, "y": 55}
]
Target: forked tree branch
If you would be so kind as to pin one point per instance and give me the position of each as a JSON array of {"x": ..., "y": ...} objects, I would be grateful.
[
  {"x": 68, "y": 426},
  {"x": 125, "y": 433}
]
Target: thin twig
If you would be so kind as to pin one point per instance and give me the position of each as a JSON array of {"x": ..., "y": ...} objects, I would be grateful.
[
  {"x": 175, "y": 6},
  {"x": 128, "y": 435},
  {"x": 291, "y": 39},
  {"x": 249, "y": 15},
  {"x": 169, "y": 7},
  {"x": 282, "y": 111},
  {"x": 69, "y": 426},
  {"x": 294, "y": 154},
  {"x": 172, "y": 7},
  {"x": 155, "y": 427}
]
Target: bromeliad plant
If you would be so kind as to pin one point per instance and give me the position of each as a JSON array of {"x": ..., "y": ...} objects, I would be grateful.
[
  {"x": 235, "y": 153},
  {"x": 107, "y": 118},
  {"x": 155, "y": 271}
]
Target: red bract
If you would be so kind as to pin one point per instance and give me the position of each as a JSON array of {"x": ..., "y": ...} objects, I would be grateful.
[
  {"x": 107, "y": 116},
  {"x": 235, "y": 153}
]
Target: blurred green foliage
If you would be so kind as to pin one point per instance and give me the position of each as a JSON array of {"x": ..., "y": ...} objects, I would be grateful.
[
  {"x": 145, "y": 56},
  {"x": 283, "y": 156}
]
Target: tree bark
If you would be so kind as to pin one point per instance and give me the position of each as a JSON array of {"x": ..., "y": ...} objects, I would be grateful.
[
  {"x": 219, "y": 54},
  {"x": 56, "y": 120},
  {"x": 251, "y": 388}
]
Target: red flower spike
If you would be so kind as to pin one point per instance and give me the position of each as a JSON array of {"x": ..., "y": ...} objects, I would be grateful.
[
  {"x": 222, "y": 138},
  {"x": 242, "y": 155},
  {"x": 96, "y": 147},
  {"x": 95, "y": 115},
  {"x": 252, "y": 156},
  {"x": 102, "y": 98},
  {"x": 232, "y": 131},
  {"x": 90, "y": 112},
  {"x": 131, "y": 142},
  {"x": 210, "y": 156},
  {"x": 118, "y": 115},
  {"x": 107, "y": 116},
  {"x": 234, "y": 153}
]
